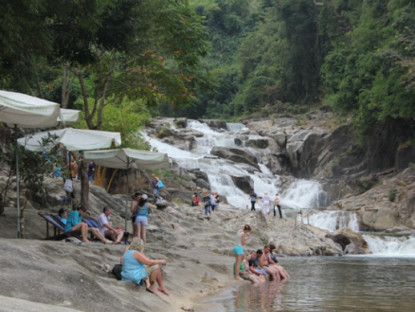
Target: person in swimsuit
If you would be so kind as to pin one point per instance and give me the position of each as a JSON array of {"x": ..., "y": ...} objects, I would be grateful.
[
  {"x": 241, "y": 237},
  {"x": 142, "y": 216}
]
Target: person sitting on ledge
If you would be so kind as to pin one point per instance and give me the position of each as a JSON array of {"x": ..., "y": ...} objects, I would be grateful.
[
  {"x": 106, "y": 228},
  {"x": 244, "y": 272},
  {"x": 254, "y": 265},
  {"x": 274, "y": 261},
  {"x": 137, "y": 267}
]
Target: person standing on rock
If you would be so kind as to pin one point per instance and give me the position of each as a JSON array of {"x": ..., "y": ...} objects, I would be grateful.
[
  {"x": 277, "y": 205},
  {"x": 133, "y": 210},
  {"x": 241, "y": 237},
  {"x": 207, "y": 203},
  {"x": 252, "y": 197},
  {"x": 266, "y": 201},
  {"x": 141, "y": 219},
  {"x": 155, "y": 183}
]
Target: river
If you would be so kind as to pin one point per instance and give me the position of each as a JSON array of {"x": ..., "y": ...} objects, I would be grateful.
[{"x": 327, "y": 284}]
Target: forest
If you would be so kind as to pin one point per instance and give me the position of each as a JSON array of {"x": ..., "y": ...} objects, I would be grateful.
[{"x": 123, "y": 62}]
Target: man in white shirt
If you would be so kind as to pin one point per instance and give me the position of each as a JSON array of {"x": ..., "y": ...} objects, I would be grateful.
[{"x": 106, "y": 228}]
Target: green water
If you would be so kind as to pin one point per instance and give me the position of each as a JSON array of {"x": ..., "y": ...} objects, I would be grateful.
[{"x": 328, "y": 284}]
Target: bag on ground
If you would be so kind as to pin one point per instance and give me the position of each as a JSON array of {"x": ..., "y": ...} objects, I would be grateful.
[{"x": 116, "y": 270}]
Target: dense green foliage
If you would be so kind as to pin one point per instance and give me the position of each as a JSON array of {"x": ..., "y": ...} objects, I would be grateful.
[
  {"x": 97, "y": 55},
  {"x": 152, "y": 56},
  {"x": 357, "y": 56}
]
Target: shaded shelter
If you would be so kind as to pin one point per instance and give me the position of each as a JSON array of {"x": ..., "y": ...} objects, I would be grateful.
[
  {"x": 72, "y": 140},
  {"x": 126, "y": 158},
  {"x": 25, "y": 111}
]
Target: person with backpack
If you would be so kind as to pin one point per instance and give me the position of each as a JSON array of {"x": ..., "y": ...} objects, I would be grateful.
[{"x": 207, "y": 203}]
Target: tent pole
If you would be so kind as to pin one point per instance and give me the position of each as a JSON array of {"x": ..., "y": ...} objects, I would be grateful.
[
  {"x": 126, "y": 195},
  {"x": 19, "y": 235}
]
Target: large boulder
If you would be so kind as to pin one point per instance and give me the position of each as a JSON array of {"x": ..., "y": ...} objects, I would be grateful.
[
  {"x": 216, "y": 123},
  {"x": 235, "y": 154},
  {"x": 350, "y": 241},
  {"x": 245, "y": 183}
]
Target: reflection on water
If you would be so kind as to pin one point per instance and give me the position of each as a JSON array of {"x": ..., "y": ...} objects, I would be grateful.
[{"x": 330, "y": 284}]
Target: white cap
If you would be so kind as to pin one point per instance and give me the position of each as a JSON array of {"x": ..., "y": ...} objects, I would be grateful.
[{"x": 144, "y": 196}]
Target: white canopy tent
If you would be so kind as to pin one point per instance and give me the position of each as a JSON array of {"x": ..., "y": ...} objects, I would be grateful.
[
  {"x": 25, "y": 111},
  {"x": 125, "y": 158},
  {"x": 72, "y": 139}
]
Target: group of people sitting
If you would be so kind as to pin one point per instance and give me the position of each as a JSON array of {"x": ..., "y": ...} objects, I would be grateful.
[
  {"x": 105, "y": 231},
  {"x": 256, "y": 266},
  {"x": 261, "y": 265}
]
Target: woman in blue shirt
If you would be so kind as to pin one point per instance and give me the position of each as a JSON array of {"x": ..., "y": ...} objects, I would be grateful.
[
  {"x": 75, "y": 223},
  {"x": 137, "y": 267}
]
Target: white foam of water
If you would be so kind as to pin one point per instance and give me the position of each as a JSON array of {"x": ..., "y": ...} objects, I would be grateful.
[
  {"x": 390, "y": 246},
  {"x": 333, "y": 220},
  {"x": 236, "y": 127},
  {"x": 302, "y": 194}
]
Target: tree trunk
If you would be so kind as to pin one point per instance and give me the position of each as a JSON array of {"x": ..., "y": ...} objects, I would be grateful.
[{"x": 84, "y": 184}]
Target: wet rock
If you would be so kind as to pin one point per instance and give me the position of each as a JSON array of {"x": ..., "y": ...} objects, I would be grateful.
[
  {"x": 216, "y": 123},
  {"x": 245, "y": 183},
  {"x": 235, "y": 154},
  {"x": 346, "y": 237}
]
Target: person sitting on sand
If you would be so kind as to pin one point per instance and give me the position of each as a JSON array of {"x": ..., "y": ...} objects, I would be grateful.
[
  {"x": 142, "y": 216},
  {"x": 137, "y": 267},
  {"x": 63, "y": 215},
  {"x": 274, "y": 261},
  {"x": 254, "y": 265},
  {"x": 75, "y": 223},
  {"x": 241, "y": 237},
  {"x": 133, "y": 210},
  {"x": 106, "y": 228}
]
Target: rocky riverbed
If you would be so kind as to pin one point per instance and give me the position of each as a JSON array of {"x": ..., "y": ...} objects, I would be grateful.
[{"x": 38, "y": 274}]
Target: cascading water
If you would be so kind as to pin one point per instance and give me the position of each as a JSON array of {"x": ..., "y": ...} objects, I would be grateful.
[
  {"x": 305, "y": 195},
  {"x": 301, "y": 194},
  {"x": 333, "y": 220},
  {"x": 391, "y": 246}
]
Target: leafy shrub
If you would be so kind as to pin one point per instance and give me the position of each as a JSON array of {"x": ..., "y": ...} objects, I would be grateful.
[{"x": 392, "y": 194}]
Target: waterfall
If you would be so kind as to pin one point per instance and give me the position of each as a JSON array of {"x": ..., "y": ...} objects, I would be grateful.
[
  {"x": 391, "y": 246},
  {"x": 301, "y": 194},
  {"x": 333, "y": 220}
]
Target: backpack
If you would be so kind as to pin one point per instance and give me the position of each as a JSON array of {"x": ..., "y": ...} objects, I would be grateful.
[{"x": 116, "y": 270}]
